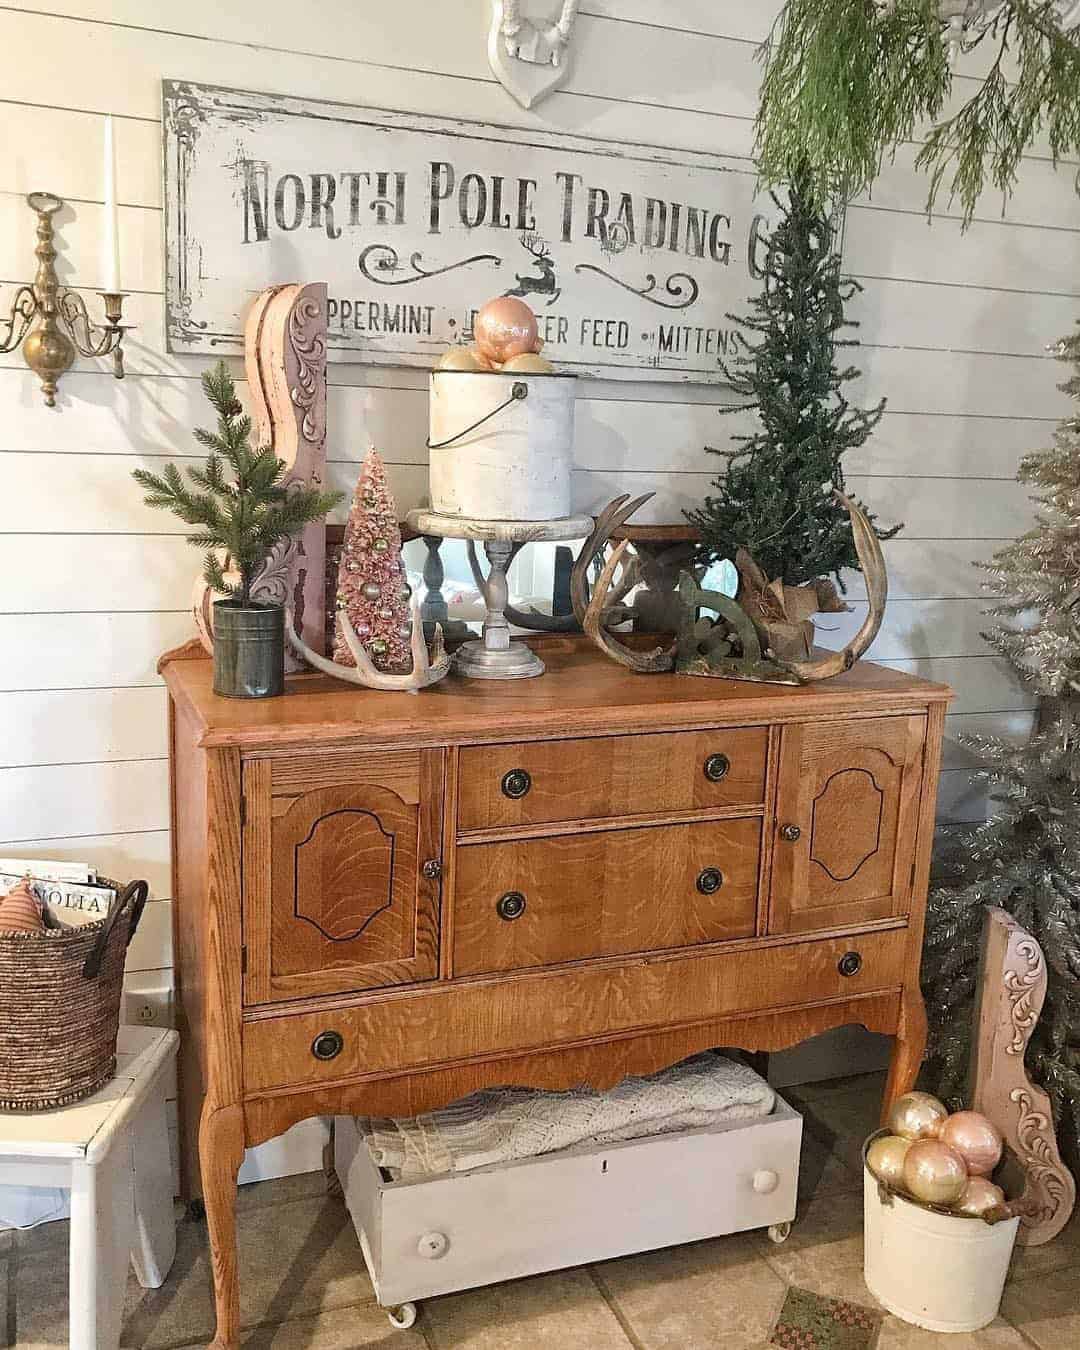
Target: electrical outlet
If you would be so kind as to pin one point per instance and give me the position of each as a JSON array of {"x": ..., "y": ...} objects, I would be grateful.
[{"x": 148, "y": 1007}]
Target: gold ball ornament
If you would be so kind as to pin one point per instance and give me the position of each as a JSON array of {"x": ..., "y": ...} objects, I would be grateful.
[
  {"x": 484, "y": 362},
  {"x": 461, "y": 358},
  {"x": 20, "y": 910},
  {"x": 885, "y": 1158},
  {"x": 528, "y": 363},
  {"x": 917, "y": 1115},
  {"x": 978, "y": 1196},
  {"x": 934, "y": 1172},
  {"x": 505, "y": 327},
  {"x": 977, "y": 1140}
]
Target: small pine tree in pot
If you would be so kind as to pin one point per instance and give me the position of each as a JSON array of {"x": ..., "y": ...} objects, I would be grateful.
[
  {"x": 773, "y": 510},
  {"x": 241, "y": 508}
]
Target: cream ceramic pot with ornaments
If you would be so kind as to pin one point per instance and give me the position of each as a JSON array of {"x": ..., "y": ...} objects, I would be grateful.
[{"x": 501, "y": 445}]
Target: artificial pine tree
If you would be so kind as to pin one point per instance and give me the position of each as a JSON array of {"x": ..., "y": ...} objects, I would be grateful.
[
  {"x": 238, "y": 521},
  {"x": 1026, "y": 857},
  {"x": 372, "y": 589},
  {"x": 770, "y": 500}
]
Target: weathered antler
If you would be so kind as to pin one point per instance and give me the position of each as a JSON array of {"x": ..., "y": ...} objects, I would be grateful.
[
  {"x": 425, "y": 670},
  {"x": 535, "y": 620},
  {"x": 872, "y": 562},
  {"x": 610, "y": 518},
  {"x": 646, "y": 663}
]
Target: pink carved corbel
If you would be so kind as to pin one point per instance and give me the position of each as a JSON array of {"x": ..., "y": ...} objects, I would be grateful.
[
  {"x": 1012, "y": 988},
  {"x": 285, "y": 361},
  {"x": 285, "y": 365}
]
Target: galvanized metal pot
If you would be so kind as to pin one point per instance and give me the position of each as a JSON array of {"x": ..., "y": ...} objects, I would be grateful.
[{"x": 249, "y": 649}]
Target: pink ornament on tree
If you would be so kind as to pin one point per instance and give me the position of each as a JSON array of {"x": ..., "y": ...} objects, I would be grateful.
[{"x": 372, "y": 588}]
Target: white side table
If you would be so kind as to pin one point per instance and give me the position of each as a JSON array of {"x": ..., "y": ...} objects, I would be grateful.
[{"x": 111, "y": 1151}]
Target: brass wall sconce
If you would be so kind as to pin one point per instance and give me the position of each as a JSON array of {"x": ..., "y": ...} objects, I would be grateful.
[{"x": 65, "y": 327}]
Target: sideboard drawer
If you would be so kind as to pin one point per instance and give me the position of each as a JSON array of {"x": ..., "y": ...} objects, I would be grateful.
[
  {"x": 382, "y": 1034},
  {"x": 541, "y": 781},
  {"x": 535, "y": 902}
]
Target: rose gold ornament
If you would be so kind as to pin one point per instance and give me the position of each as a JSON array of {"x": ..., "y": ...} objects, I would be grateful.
[
  {"x": 977, "y": 1140},
  {"x": 917, "y": 1115},
  {"x": 528, "y": 363},
  {"x": 20, "y": 910},
  {"x": 504, "y": 328},
  {"x": 885, "y": 1158},
  {"x": 934, "y": 1172},
  {"x": 978, "y": 1196}
]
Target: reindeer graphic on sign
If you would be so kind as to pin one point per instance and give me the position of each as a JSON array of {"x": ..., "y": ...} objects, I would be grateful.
[{"x": 545, "y": 282}]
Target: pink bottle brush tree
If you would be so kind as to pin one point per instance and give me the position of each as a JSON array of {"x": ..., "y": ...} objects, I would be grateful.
[{"x": 372, "y": 587}]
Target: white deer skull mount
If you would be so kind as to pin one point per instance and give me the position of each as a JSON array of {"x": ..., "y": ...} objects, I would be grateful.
[{"x": 527, "y": 45}]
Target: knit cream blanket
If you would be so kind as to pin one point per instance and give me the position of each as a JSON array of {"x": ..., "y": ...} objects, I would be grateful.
[{"x": 505, "y": 1124}]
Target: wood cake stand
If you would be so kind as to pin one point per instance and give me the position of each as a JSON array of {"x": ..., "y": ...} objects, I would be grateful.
[{"x": 495, "y": 655}]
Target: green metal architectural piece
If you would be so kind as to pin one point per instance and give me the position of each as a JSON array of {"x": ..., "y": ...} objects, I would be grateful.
[{"x": 727, "y": 649}]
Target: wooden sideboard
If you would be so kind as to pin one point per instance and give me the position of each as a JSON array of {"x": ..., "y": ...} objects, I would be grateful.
[{"x": 386, "y": 901}]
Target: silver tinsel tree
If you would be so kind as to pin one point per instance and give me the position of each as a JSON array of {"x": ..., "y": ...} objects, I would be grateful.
[{"x": 1026, "y": 857}]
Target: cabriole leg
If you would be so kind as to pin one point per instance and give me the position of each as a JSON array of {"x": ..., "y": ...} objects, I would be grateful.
[
  {"x": 221, "y": 1151},
  {"x": 909, "y": 1046}
]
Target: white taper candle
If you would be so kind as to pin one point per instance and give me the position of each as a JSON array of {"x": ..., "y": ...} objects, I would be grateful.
[{"x": 110, "y": 257}]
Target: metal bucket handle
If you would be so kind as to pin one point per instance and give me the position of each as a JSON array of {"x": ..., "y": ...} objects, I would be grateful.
[{"x": 518, "y": 390}]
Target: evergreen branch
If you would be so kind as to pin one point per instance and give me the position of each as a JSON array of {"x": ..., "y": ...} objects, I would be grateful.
[
  {"x": 244, "y": 517},
  {"x": 846, "y": 82},
  {"x": 843, "y": 83}
]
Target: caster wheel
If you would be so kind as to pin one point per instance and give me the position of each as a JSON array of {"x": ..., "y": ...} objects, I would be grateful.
[
  {"x": 403, "y": 1316},
  {"x": 779, "y": 1232}
]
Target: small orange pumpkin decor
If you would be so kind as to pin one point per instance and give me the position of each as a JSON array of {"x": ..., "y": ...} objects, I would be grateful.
[{"x": 20, "y": 910}]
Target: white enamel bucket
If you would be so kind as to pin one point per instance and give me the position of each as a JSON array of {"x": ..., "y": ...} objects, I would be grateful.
[
  {"x": 945, "y": 1272},
  {"x": 501, "y": 447}
]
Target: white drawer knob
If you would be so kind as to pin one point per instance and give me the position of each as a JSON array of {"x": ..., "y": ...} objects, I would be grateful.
[
  {"x": 766, "y": 1181},
  {"x": 433, "y": 1245}
]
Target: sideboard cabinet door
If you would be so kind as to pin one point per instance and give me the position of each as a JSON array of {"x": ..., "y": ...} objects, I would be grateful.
[
  {"x": 337, "y": 897},
  {"x": 846, "y": 820}
]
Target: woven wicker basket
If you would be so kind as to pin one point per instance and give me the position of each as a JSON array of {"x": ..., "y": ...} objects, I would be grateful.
[{"x": 60, "y": 1006}]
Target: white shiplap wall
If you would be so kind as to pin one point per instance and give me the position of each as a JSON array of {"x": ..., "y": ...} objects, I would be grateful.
[{"x": 95, "y": 586}]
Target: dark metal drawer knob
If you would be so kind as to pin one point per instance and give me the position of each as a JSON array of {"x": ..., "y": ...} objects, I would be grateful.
[
  {"x": 327, "y": 1045},
  {"x": 516, "y": 783},
  {"x": 432, "y": 869},
  {"x": 850, "y": 963},
  {"x": 710, "y": 880},
  {"x": 511, "y": 905},
  {"x": 790, "y": 833},
  {"x": 716, "y": 767}
]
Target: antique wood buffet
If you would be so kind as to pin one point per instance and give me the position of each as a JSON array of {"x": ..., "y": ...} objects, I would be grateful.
[{"x": 386, "y": 901}]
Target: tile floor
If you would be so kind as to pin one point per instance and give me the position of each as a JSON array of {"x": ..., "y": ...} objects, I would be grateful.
[{"x": 304, "y": 1285}]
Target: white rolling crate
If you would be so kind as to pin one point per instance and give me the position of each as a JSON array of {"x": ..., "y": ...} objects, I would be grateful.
[{"x": 460, "y": 1230}]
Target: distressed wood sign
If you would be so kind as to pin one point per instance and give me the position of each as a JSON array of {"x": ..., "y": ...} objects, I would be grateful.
[{"x": 631, "y": 256}]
